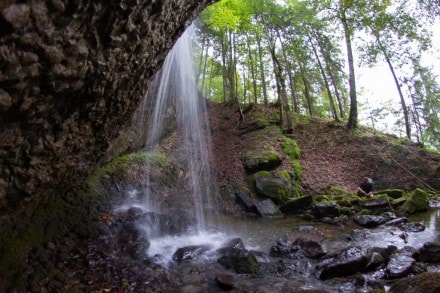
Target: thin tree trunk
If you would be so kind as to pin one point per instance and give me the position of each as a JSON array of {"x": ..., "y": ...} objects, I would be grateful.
[
  {"x": 251, "y": 61},
  {"x": 224, "y": 73},
  {"x": 353, "y": 115},
  {"x": 402, "y": 99},
  {"x": 330, "y": 96},
  {"x": 263, "y": 77}
]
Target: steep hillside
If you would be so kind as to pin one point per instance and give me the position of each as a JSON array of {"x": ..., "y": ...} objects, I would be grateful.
[{"x": 330, "y": 155}]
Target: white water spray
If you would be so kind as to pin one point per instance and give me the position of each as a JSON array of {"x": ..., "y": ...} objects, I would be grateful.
[{"x": 177, "y": 96}]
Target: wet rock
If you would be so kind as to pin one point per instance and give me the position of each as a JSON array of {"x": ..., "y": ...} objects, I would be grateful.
[
  {"x": 234, "y": 255},
  {"x": 239, "y": 259},
  {"x": 245, "y": 200},
  {"x": 233, "y": 243},
  {"x": 338, "y": 221},
  {"x": 423, "y": 283},
  {"x": 385, "y": 252},
  {"x": 374, "y": 261},
  {"x": 376, "y": 203},
  {"x": 225, "y": 281},
  {"x": 430, "y": 252},
  {"x": 322, "y": 210},
  {"x": 257, "y": 161},
  {"x": 297, "y": 205},
  {"x": 356, "y": 234},
  {"x": 189, "y": 252},
  {"x": 347, "y": 262},
  {"x": 309, "y": 229},
  {"x": 283, "y": 248},
  {"x": 412, "y": 227},
  {"x": 396, "y": 222},
  {"x": 399, "y": 266},
  {"x": 310, "y": 248},
  {"x": 132, "y": 240},
  {"x": 267, "y": 209},
  {"x": 274, "y": 185},
  {"x": 172, "y": 225},
  {"x": 369, "y": 221}
]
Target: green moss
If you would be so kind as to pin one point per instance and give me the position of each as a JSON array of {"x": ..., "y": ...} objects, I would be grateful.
[
  {"x": 291, "y": 148},
  {"x": 393, "y": 193},
  {"x": 418, "y": 201},
  {"x": 263, "y": 173},
  {"x": 345, "y": 211},
  {"x": 336, "y": 191},
  {"x": 296, "y": 167}
]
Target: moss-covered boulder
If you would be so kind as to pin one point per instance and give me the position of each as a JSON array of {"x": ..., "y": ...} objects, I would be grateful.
[
  {"x": 392, "y": 193},
  {"x": 274, "y": 185},
  {"x": 418, "y": 201},
  {"x": 254, "y": 161}
]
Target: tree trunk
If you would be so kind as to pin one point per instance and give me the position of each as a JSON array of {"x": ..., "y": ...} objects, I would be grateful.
[
  {"x": 402, "y": 99},
  {"x": 263, "y": 77},
  {"x": 353, "y": 115},
  {"x": 324, "y": 77},
  {"x": 253, "y": 75}
]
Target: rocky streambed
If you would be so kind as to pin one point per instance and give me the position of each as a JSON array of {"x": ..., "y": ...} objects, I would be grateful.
[{"x": 246, "y": 253}]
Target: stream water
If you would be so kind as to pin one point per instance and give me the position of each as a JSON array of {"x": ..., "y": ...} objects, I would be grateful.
[{"x": 176, "y": 94}]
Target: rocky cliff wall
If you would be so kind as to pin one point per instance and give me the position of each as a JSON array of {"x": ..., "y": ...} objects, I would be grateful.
[{"x": 71, "y": 75}]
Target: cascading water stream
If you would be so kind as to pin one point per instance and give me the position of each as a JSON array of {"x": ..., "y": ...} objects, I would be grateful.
[{"x": 177, "y": 96}]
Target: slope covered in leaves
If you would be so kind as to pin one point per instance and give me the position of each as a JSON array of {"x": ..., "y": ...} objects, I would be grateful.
[{"x": 330, "y": 155}]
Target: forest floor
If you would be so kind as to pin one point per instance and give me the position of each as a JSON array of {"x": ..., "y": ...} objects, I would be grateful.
[{"x": 330, "y": 155}]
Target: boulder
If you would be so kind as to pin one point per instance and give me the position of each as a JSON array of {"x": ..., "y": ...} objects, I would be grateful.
[
  {"x": 189, "y": 252},
  {"x": 375, "y": 203},
  {"x": 245, "y": 200},
  {"x": 297, "y": 205},
  {"x": 418, "y": 201},
  {"x": 310, "y": 248},
  {"x": 396, "y": 222},
  {"x": 393, "y": 193},
  {"x": 423, "y": 283},
  {"x": 374, "y": 261},
  {"x": 274, "y": 185},
  {"x": 322, "y": 210},
  {"x": 347, "y": 262},
  {"x": 369, "y": 221},
  {"x": 430, "y": 252},
  {"x": 412, "y": 227},
  {"x": 283, "y": 248},
  {"x": 256, "y": 161},
  {"x": 267, "y": 209},
  {"x": 400, "y": 266},
  {"x": 225, "y": 280},
  {"x": 239, "y": 259}
]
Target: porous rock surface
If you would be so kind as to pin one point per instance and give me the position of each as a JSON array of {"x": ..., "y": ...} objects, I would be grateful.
[{"x": 71, "y": 75}]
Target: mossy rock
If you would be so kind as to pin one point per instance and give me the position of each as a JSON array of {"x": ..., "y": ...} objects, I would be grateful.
[
  {"x": 398, "y": 202},
  {"x": 427, "y": 282},
  {"x": 343, "y": 210},
  {"x": 274, "y": 185},
  {"x": 254, "y": 161},
  {"x": 393, "y": 193},
  {"x": 418, "y": 201}
]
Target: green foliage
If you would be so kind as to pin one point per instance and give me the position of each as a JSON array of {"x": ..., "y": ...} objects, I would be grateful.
[{"x": 291, "y": 148}]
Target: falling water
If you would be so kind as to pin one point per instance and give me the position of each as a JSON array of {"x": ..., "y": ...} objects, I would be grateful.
[{"x": 177, "y": 96}]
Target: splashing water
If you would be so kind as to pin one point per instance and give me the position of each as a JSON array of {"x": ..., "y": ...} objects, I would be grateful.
[{"x": 177, "y": 97}]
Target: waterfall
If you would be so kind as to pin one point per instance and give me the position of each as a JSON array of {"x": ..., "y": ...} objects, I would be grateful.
[{"x": 178, "y": 104}]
